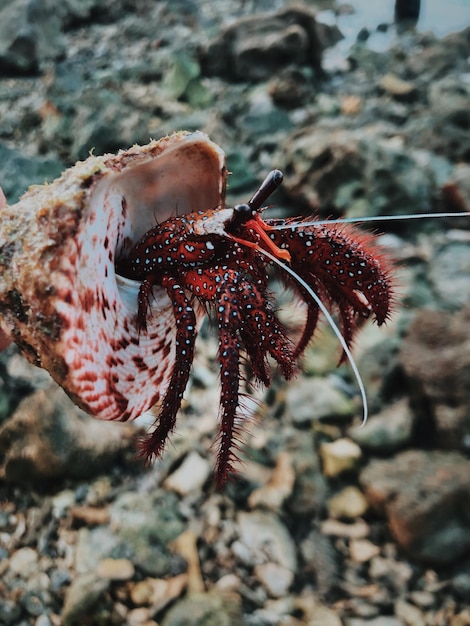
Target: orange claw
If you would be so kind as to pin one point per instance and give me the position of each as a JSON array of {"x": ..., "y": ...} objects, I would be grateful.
[{"x": 257, "y": 224}]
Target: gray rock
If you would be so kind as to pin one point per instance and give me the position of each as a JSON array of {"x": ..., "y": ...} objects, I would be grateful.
[
  {"x": 388, "y": 431},
  {"x": 426, "y": 499},
  {"x": 267, "y": 539},
  {"x": 18, "y": 172},
  {"x": 436, "y": 361},
  {"x": 206, "y": 609},
  {"x": 30, "y": 33},
  {"x": 311, "y": 399},
  {"x": 49, "y": 437},
  {"x": 256, "y": 47},
  {"x": 82, "y": 597}
]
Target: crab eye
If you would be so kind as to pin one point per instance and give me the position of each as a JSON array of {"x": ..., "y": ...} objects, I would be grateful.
[{"x": 242, "y": 213}]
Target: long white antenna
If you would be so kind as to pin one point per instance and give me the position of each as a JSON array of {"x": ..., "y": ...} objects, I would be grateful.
[
  {"x": 373, "y": 218},
  {"x": 315, "y": 297}
]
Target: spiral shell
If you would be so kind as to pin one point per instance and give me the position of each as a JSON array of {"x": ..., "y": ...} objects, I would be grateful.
[{"x": 61, "y": 299}]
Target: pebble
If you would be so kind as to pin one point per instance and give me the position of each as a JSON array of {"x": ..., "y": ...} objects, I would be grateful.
[
  {"x": 115, "y": 569},
  {"x": 357, "y": 530},
  {"x": 347, "y": 504},
  {"x": 275, "y": 578},
  {"x": 266, "y": 539},
  {"x": 409, "y": 614},
  {"x": 190, "y": 475},
  {"x": 396, "y": 86},
  {"x": 389, "y": 430},
  {"x": 362, "y": 550},
  {"x": 278, "y": 488},
  {"x": 342, "y": 455},
  {"x": 309, "y": 399},
  {"x": 82, "y": 596},
  {"x": 24, "y": 562},
  {"x": 186, "y": 546}
]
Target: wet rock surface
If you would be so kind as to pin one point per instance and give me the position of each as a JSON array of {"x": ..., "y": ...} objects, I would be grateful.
[{"x": 328, "y": 523}]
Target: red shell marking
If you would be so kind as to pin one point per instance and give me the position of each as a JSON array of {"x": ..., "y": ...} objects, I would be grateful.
[{"x": 217, "y": 258}]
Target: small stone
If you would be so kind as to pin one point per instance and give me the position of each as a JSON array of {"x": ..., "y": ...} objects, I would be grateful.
[
  {"x": 90, "y": 515},
  {"x": 43, "y": 620},
  {"x": 190, "y": 475},
  {"x": 229, "y": 582},
  {"x": 358, "y": 530},
  {"x": 349, "y": 503},
  {"x": 423, "y": 599},
  {"x": 342, "y": 455},
  {"x": 138, "y": 617},
  {"x": 395, "y": 574},
  {"x": 409, "y": 613},
  {"x": 397, "y": 87},
  {"x": 315, "y": 398},
  {"x": 267, "y": 539},
  {"x": 275, "y": 578},
  {"x": 362, "y": 550},
  {"x": 186, "y": 546},
  {"x": 461, "y": 619},
  {"x": 82, "y": 596},
  {"x": 278, "y": 488},
  {"x": 351, "y": 105},
  {"x": 9, "y": 612},
  {"x": 115, "y": 569},
  {"x": 24, "y": 562},
  {"x": 387, "y": 431},
  {"x": 206, "y": 608}
]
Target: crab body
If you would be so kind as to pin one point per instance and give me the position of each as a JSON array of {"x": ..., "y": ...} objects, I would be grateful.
[{"x": 218, "y": 258}]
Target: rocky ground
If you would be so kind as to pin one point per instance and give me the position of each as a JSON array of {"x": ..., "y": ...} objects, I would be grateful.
[{"x": 328, "y": 524}]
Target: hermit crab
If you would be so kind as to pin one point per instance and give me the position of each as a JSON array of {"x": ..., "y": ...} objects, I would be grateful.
[{"x": 108, "y": 272}]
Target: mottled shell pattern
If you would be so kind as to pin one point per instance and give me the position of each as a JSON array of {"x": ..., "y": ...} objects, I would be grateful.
[{"x": 61, "y": 300}]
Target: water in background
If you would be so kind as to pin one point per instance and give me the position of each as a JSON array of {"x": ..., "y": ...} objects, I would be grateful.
[{"x": 438, "y": 16}]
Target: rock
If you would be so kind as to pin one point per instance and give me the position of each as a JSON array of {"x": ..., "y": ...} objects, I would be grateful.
[
  {"x": 347, "y": 504},
  {"x": 18, "y": 172},
  {"x": 387, "y": 431},
  {"x": 397, "y": 87},
  {"x": 310, "y": 399},
  {"x": 376, "y": 175},
  {"x": 275, "y": 578},
  {"x": 257, "y": 47},
  {"x": 359, "y": 529},
  {"x": 362, "y": 550},
  {"x": 396, "y": 575},
  {"x": 279, "y": 487},
  {"x": 190, "y": 476},
  {"x": 48, "y": 438},
  {"x": 409, "y": 614},
  {"x": 30, "y": 33},
  {"x": 10, "y": 612},
  {"x": 115, "y": 569},
  {"x": 320, "y": 562},
  {"x": 158, "y": 592},
  {"x": 449, "y": 275},
  {"x": 436, "y": 360},
  {"x": 24, "y": 562},
  {"x": 445, "y": 129},
  {"x": 342, "y": 455},
  {"x": 82, "y": 597},
  {"x": 186, "y": 546},
  {"x": 206, "y": 609},
  {"x": 267, "y": 539},
  {"x": 426, "y": 499}
]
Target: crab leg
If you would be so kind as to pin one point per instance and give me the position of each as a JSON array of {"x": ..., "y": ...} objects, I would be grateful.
[{"x": 152, "y": 445}]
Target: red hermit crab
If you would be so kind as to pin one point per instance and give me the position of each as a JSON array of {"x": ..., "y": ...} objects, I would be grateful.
[
  {"x": 220, "y": 259},
  {"x": 107, "y": 273}
]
